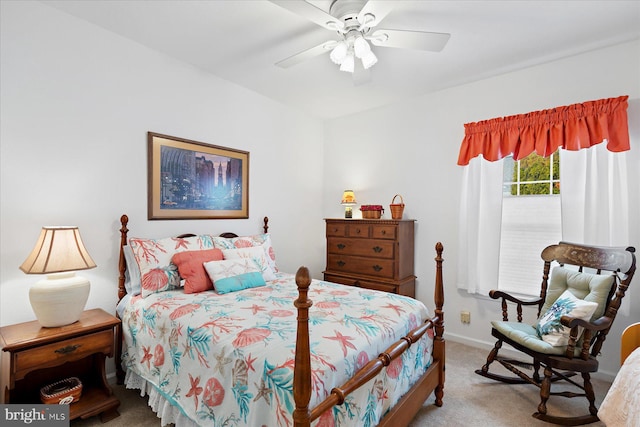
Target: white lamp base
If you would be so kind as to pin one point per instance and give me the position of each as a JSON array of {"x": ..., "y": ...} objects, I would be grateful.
[{"x": 59, "y": 299}]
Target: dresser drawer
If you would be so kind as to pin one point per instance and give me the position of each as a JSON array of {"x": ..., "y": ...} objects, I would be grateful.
[
  {"x": 385, "y": 287},
  {"x": 62, "y": 352},
  {"x": 353, "y": 264},
  {"x": 336, "y": 229},
  {"x": 360, "y": 283},
  {"x": 384, "y": 232},
  {"x": 359, "y": 230},
  {"x": 363, "y": 247}
]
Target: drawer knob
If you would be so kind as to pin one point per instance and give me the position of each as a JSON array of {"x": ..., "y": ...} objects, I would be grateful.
[
  {"x": 377, "y": 268},
  {"x": 357, "y": 231},
  {"x": 377, "y": 249},
  {"x": 68, "y": 349},
  {"x": 341, "y": 246},
  {"x": 341, "y": 263}
]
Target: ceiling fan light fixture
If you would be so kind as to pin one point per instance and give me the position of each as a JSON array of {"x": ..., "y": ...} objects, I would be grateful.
[
  {"x": 361, "y": 47},
  {"x": 348, "y": 64},
  {"x": 369, "y": 60},
  {"x": 339, "y": 53}
]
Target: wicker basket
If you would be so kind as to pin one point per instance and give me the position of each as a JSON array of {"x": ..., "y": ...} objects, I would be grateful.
[
  {"x": 371, "y": 211},
  {"x": 371, "y": 214},
  {"x": 62, "y": 392},
  {"x": 397, "y": 209}
]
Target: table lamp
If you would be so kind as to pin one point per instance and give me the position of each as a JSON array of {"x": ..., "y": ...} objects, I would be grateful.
[
  {"x": 58, "y": 299},
  {"x": 348, "y": 200}
]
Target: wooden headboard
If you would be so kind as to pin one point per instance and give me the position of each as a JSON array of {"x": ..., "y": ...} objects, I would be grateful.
[{"x": 122, "y": 264}]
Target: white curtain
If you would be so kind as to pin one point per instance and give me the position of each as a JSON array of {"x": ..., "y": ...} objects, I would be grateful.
[
  {"x": 595, "y": 210},
  {"x": 480, "y": 220},
  {"x": 595, "y": 197}
]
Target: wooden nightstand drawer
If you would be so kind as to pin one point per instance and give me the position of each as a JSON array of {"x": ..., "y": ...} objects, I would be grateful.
[
  {"x": 62, "y": 352},
  {"x": 365, "y": 247}
]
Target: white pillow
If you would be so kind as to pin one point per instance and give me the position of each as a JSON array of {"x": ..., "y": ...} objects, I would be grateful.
[
  {"x": 549, "y": 327},
  {"x": 233, "y": 275},
  {"x": 256, "y": 255},
  {"x": 132, "y": 281}
]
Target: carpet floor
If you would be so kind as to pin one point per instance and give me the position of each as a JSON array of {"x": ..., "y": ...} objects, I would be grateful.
[{"x": 469, "y": 400}]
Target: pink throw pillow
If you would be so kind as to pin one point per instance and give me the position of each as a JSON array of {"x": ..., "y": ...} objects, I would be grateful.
[{"x": 191, "y": 268}]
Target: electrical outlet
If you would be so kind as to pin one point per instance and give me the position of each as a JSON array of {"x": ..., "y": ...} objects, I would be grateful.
[{"x": 465, "y": 317}]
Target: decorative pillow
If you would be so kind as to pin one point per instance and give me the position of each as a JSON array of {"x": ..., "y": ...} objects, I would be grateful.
[
  {"x": 233, "y": 275},
  {"x": 549, "y": 327},
  {"x": 585, "y": 286},
  {"x": 153, "y": 257},
  {"x": 263, "y": 240},
  {"x": 256, "y": 255},
  {"x": 191, "y": 268},
  {"x": 132, "y": 281}
]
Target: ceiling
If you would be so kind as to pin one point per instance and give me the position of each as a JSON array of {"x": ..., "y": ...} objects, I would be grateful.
[{"x": 241, "y": 40}]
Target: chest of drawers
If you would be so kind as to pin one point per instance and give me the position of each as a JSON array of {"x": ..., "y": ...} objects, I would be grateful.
[{"x": 373, "y": 254}]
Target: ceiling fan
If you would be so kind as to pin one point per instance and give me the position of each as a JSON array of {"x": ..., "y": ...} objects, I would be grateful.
[{"x": 355, "y": 23}]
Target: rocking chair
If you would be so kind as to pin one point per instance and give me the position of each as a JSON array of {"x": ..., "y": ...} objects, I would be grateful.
[{"x": 576, "y": 309}]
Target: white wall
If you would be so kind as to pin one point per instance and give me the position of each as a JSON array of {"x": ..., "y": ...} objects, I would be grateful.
[
  {"x": 412, "y": 149},
  {"x": 77, "y": 103}
]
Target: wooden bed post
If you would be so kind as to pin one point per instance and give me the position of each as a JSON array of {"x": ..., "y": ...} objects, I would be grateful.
[
  {"x": 302, "y": 368},
  {"x": 438, "y": 339},
  {"x": 122, "y": 266}
]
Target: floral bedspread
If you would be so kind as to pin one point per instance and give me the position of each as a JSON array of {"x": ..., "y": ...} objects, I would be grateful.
[{"x": 227, "y": 360}]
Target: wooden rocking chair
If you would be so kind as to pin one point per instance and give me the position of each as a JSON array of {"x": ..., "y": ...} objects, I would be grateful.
[{"x": 591, "y": 274}]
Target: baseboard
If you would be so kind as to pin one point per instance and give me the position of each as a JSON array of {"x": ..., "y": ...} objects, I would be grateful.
[
  {"x": 508, "y": 351},
  {"x": 111, "y": 378}
]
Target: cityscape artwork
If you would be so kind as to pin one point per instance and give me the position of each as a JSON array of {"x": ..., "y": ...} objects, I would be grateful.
[{"x": 193, "y": 180}]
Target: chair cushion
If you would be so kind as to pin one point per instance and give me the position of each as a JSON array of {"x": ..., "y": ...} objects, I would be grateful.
[
  {"x": 549, "y": 327},
  {"x": 584, "y": 286},
  {"x": 527, "y": 336}
]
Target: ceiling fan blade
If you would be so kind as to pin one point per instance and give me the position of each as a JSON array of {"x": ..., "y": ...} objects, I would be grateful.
[
  {"x": 310, "y": 12},
  {"x": 419, "y": 40},
  {"x": 305, "y": 54},
  {"x": 379, "y": 9}
]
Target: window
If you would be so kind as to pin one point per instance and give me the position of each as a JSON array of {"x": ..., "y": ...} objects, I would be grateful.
[{"x": 531, "y": 220}]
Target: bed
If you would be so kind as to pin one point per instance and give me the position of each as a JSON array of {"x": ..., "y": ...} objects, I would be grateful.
[
  {"x": 621, "y": 404},
  {"x": 258, "y": 346}
]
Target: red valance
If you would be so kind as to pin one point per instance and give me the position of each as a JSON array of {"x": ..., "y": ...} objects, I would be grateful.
[{"x": 572, "y": 127}]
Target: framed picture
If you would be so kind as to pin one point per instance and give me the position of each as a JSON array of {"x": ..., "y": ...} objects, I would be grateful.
[{"x": 194, "y": 180}]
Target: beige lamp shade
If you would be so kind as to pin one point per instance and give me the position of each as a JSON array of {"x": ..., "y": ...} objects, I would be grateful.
[
  {"x": 58, "y": 249},
  {"x": 59, "y": 299}
]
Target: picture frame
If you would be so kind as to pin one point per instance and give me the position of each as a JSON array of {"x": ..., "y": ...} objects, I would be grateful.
[{"x": 195, "y": 180}]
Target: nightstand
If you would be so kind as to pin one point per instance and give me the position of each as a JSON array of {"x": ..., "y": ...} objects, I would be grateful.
[{"x": 34, "y": 356}]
